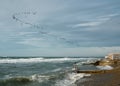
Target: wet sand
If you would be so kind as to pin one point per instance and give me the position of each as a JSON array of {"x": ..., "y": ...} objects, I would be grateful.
[{"x": 111, "y": 78}]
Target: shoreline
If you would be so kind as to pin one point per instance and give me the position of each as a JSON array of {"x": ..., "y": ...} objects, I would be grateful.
[{"x": 108, "y": 78}]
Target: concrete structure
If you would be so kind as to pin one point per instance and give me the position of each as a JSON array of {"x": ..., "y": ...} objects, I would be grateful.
[{"x": 113, "y": 56}]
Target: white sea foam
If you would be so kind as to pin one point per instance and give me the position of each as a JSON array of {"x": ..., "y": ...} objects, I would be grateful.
[
  {"x": 7, "y": 76},
  {"x": 35, "y": 60},
  {"x": 39, "y": 78},
  {"x": 35, "y": 77},
  {"x": 107, "y": 67},
  {"x": 21, "y": 60},
  {"x": 71, "y": 79}
]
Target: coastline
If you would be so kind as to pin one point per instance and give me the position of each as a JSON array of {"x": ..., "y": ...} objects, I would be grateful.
[{"x": 111, "y": 78}]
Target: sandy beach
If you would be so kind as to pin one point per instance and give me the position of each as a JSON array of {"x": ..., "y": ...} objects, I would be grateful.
[{"x": 111, "y": 78}]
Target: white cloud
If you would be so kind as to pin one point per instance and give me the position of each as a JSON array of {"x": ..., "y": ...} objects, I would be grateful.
[
  {"x": 53, "y": 16},
  {"x": 36, "y": 42},
  {"x": 109, "y": 15},
  {"x": 98, "y": 21},
  {"x": 88, "y": 24}
]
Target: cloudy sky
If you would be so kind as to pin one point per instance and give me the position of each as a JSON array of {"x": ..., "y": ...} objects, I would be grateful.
[{"x": 59, "y": 27}]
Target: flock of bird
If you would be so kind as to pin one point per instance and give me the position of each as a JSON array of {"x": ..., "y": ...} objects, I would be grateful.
[
  {"x": 40, "y": 28},
  {"x": 42, "y": 31}
]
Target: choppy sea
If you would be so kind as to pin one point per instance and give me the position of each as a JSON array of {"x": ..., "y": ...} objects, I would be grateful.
[{"x": 41, "y": 71}]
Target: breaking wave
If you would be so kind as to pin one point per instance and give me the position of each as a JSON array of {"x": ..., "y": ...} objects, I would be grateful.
[
  {"x": 71, "y": 79},
  {"x": 37, "y": 60},
  {"x": 68, "y": 80},
  {"x": 25, "y": 79}
]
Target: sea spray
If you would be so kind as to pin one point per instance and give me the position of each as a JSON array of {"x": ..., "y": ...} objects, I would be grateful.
[
  {"x": 38, "y": 60},
  {"x": 70, "y": 79}
]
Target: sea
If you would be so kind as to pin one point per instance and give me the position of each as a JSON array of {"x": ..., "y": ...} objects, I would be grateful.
[{"x": 43, "y": 71}]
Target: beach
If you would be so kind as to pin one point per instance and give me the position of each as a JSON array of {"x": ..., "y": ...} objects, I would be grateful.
[{"x": 111, "y": 78}]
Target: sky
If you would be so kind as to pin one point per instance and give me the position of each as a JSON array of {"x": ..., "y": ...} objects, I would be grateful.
[{"x": 59, "y": 27}]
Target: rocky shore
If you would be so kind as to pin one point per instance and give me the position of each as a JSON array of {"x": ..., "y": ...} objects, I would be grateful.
[
  {"x": 111, "y": 78},
  {"x": 102, "y": 77}
]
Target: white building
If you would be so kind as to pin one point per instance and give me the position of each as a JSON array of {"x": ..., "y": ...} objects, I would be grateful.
[{"x": 113, "y": 56}]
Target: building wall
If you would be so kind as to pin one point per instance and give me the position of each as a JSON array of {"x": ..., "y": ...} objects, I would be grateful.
[
  {"x": 110, "y": 56},
  {"x": 114, "y": 56}
]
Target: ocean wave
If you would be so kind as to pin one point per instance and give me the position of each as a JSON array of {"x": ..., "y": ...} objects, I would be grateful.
[
  {"x": 37, "y": 60},
  {"x": 32, "y": 80},
  {"x": 71, "y": 79},
  {"x": 88, "y": 61},
  {"x": 39, "y": 78},
  {"x": 15, "y": 81},
  {"x": 61, "y": 79},
  {"x": 25, "y": 79}
]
